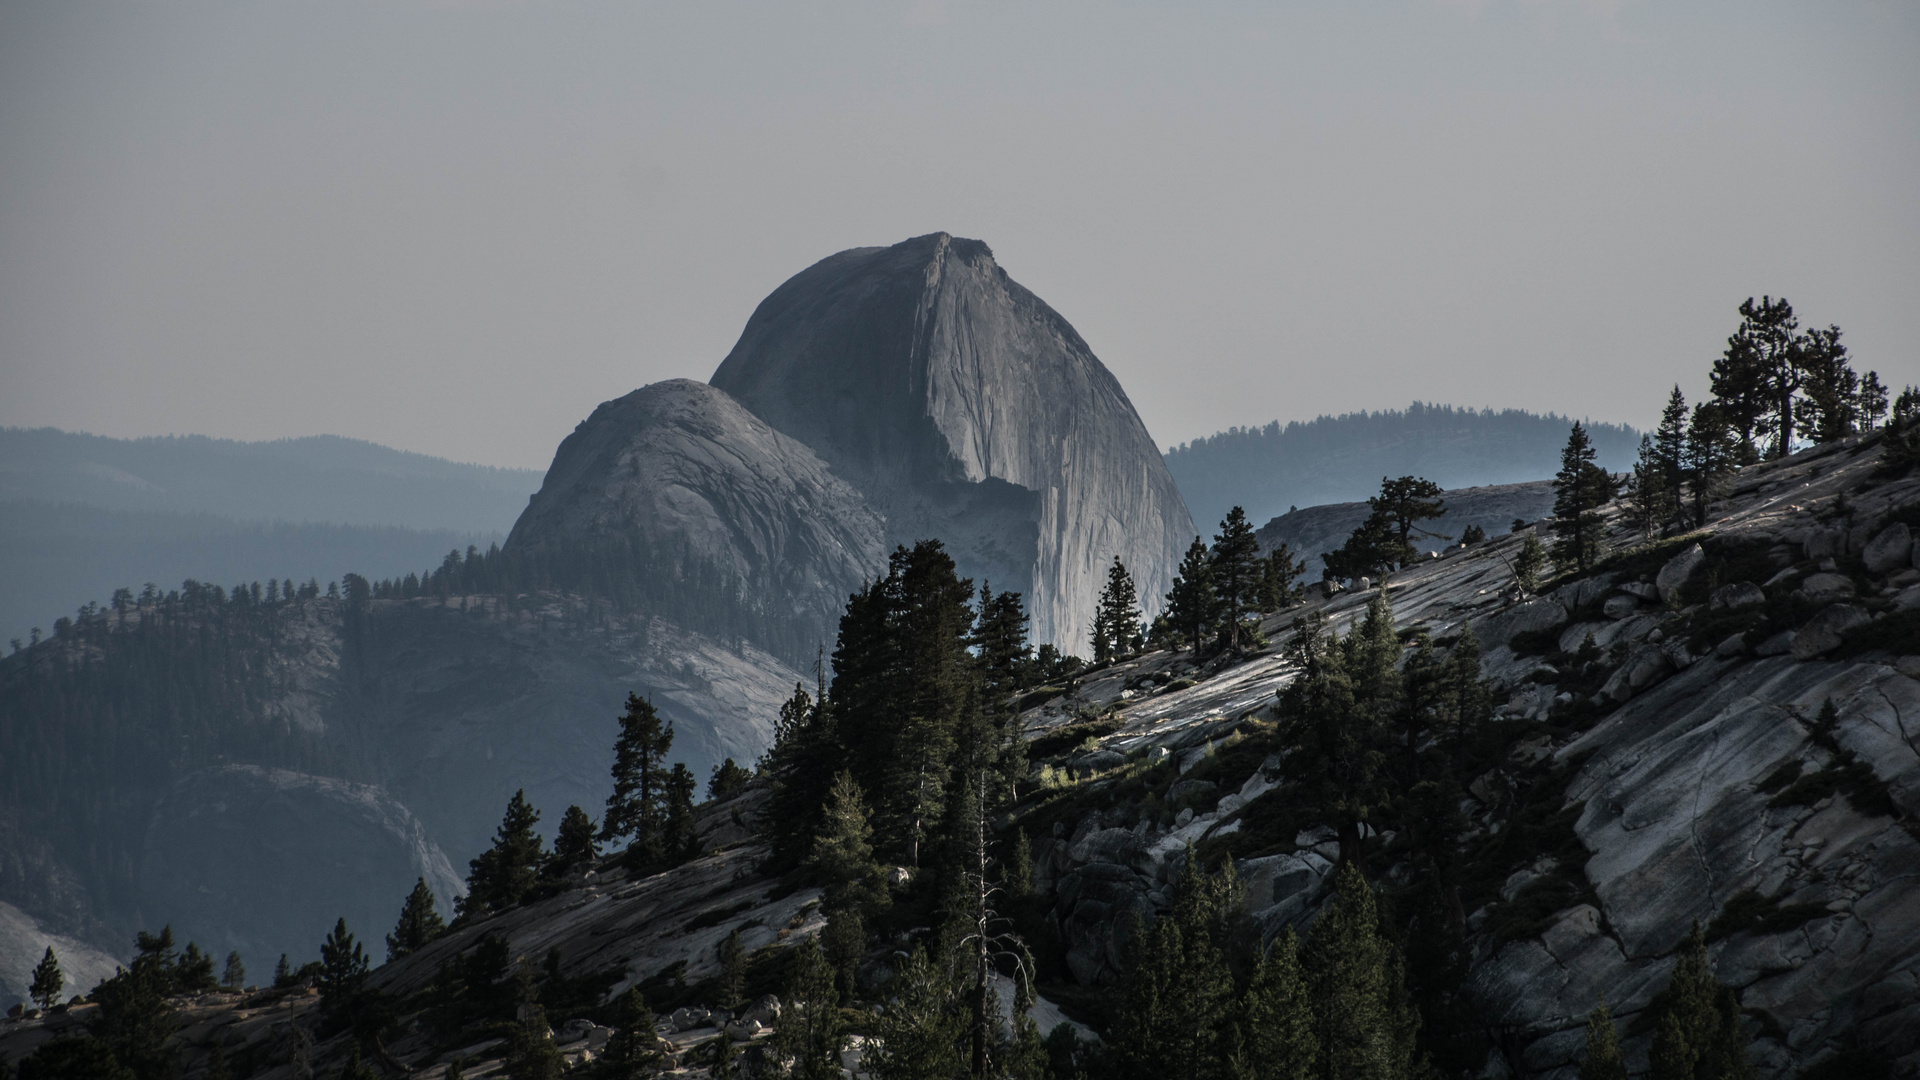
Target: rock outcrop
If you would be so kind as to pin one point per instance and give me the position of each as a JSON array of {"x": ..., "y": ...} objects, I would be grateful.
[
  {"x": 683, "y": 467},
  {"x": 964, "y": 408},
  {"x": 1312, "y": 530}
]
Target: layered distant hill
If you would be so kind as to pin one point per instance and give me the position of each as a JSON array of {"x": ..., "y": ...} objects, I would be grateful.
[
  {"x": 82, "y": 515},
  {"x": 1335, "y": 459}
]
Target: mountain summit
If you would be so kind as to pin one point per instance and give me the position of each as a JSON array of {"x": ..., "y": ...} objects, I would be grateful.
[{"x": 965, "y": 408}]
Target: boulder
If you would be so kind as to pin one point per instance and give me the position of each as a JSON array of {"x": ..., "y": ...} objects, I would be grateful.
[
  {"x": 1620, "y": 606},
  {"x": 1643, "y": 667},
  {"x": 1822, "y": 632},
  {"x": 1736, "y": 595},
  {"x": 1778, "y": 645},
  {"x": 1541, "y": 613},
  {"x": 1676, "y": 572},
  {"x": 1827, "y": 586},
  {"x": 1824, "y": 543},
  {"x": 1642, "y": 589},
  {"x": 1891, "y": 549}
]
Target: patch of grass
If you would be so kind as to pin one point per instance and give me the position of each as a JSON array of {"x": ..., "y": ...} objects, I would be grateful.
[
  {"x": 715, "y": 916},
  {"x": 1751, "y": 913},
  {"x": 1068, "y": 737}
]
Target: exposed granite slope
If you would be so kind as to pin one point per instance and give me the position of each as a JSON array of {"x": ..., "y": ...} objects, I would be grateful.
[
  {"x": 966, "y": 408},
  {"x": 680, "y": 464},
  {"x": 1671, "y": 782}
]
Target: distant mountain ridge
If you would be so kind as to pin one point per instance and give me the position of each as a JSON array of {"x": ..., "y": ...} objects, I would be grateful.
[
  {"x": 1334, "y": 459},
  {"x": 81, "y": 515},
  {"x": 320, "y": 478}
]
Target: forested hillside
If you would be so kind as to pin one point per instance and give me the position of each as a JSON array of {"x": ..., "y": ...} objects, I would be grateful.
[{"x": 1332, "y": 459}]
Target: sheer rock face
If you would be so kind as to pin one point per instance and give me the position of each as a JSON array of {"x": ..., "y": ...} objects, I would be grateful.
[
  {"x": 965, "y": 408},
  {"x": 681, "y": 463}
]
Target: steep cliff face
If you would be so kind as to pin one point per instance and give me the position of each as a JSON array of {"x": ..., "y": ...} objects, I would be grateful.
[
  {"x": 966, "y": 408},
  {"x": 682, "y": 466}
]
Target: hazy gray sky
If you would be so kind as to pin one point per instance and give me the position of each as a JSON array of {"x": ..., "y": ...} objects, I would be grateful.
[{"x": 456, "y": 227}]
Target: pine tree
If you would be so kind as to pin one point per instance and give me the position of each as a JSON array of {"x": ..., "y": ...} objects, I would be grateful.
[
  {"x": 1670, "y": 454},
  {"x": 726, "y": 779},
  {"x": 733, "y": 970},
  {"x": 574, "y": 844},
  {"x": 635, "y": 810},
  {"x": 1175, "y": 1005},
  {"x": 678, "y": 836},
  {"x": 1190, "y": 601},
  {"x": 1580, "y": 489},
  {"x": 193, "y": 974},
  {"x": 282, "y": 973},
  {"x": 1006, "y": 666},
  {"x": 1647, "y": 492},
  {"x": 48, "y": 980},
  {"x": 1602, "y": 1060},
  {"x": 1116, "y": 624},
  {"x": 419, "y": 923},
  {"x": 1234, "y": 567},
  {"x": 343, "y": 971},
  {"x": 1873, "y": 401},
  {"x": 235, "y": 975},
  {"x": 1278, "y": 1041},
  {"x": 1401, "y": 505},
  {"x": 633, "y": 1052},
  {"x": 1711, "y": 456},
  {"x": 505, "y": 873},
  {"x": 1365, "y": 1028},
  {"x": 842, "y": 859},
  {"x": 1371, "y": 549},
  {"x": 135, "y": 1018},
  {"x": 801, "y": 763},
  {"x": 1528, "y": 563},
  {"x": 1279, "y": 576},
  {"x": 922, "y": 1033},
  {"x": 1831, "y": 407},
  {"x": 1697, "y": 1035},
  {"x": 809, "y": 1033}
]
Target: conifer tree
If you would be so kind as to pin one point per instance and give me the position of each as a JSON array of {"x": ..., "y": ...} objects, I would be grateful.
[
  {"x": 1401, "y": 505},
  {"x": 1698, "y": 1034},
  {"x": 1174, "y": 1013},
  {"x": 1670, "y": 455},
  {"x": 1006, "y": 666},
  {"x": 733, "y": 970},
  {"x": 726, "y": 779},
  {"x": 1711, "y": 456},
  {"x": 801, "y": 763},
  {"x": 1831, "y": 408},
  {"x": 1370, "y": 549},
  {"x": 1873, "y": 401},
  {"x": 679, "y": 838},
  {"x": 1602, "y": 1060},
  {"x": 135, "y": 1018},
  {"x": 282, "y": 973},
  {"x": 505, "y": 873},
  {"x": 842, "y": 859},
  {"x": 574, "y": 842},
  {"x": 923, "y": 1030},
  {"x": 1580, "y": 489},
  {"x": 1365, "y": 1028},
  {"x": 1116, "y": 624},
  {"x": 1190, "y": 602},
  {"x": 193, "y": 974},
  {"x": 1279, "y": 576},
  {"x": 635, "y": 810},
  {"x": 235, "y": 975},
  {"x": 1234, "y": 567},
  {"x": 808, "y": 1033},
  {"x": 343, "y": 971},
  {"x": 1278, "y": 1041},
  {"x": 419, "y": 923},
  {"x": 633, "y": 1052},
  {"x": 1528, "y": 563},
  {"x": 47, "y": 981}
]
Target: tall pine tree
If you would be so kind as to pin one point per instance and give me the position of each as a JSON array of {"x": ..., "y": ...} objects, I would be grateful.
[
  {"x": 636, "y": 811},
  {"x": 1365, "y": 1027},
  {"x": 505, "y": 873},
  {"x": 419, "y": 923},
  {"x": 1233, "y": 565},
  {"x": 1580, "y": 489},
  {"x": 1116, "y": 624},
  {"x": 1190, "y": 602}
]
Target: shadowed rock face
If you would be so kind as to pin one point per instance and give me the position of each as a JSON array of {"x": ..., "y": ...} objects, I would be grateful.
[
  {"x": 264, "y": 860},
  {"x": 965, "y": 408},
  {"x": 681, "y": 463}
]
